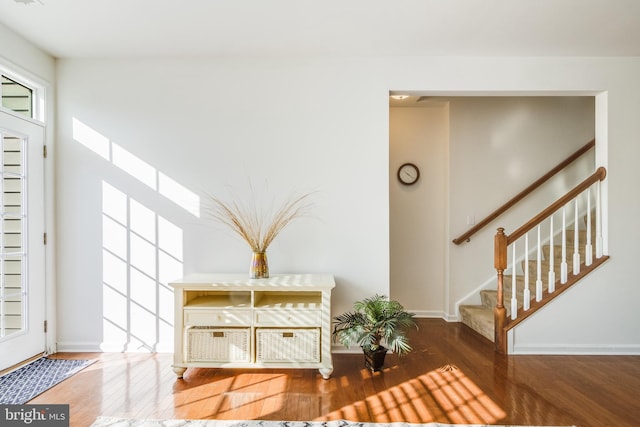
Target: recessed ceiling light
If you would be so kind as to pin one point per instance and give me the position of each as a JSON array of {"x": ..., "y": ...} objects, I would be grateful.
[{"x": 399, "y": 97}]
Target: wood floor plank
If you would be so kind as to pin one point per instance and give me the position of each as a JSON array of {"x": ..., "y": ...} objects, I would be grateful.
[{"x": 453, "y": 375}]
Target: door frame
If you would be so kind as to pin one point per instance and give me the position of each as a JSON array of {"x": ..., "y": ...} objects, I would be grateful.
[{"x": 44, "y": 94}]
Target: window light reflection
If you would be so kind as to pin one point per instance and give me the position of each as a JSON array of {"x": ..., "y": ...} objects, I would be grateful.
[
  {"x": 136, "y": 167},
  {"x": 91, "y": 139},
  {"x": 141, "y": 253}
]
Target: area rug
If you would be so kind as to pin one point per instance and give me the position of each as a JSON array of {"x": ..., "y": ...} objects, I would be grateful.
[
  {"x": 25, "y": 383},
  {"x": 123, "y": 422}
]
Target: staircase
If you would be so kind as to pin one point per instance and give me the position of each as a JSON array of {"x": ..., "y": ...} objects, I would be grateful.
[
  {"x": 480, "y": 318},
  {"x": 493, "y": 318}
]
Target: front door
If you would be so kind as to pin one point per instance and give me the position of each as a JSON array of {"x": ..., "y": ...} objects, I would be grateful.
[{"x": 22, "y": 254}]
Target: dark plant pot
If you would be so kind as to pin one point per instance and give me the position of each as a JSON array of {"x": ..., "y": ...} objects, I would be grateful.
[{"x": 374, "y": 359}]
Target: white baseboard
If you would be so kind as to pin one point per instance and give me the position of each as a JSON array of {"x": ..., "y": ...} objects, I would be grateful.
[
  {"x": 96, "y": 347},
  {"x": 78, "y": 347},
  {"x": 428, "y": 314},
  {"x": 577, "y": 349}
]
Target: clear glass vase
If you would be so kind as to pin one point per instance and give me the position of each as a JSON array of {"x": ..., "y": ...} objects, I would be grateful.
[{"x": 259, "y": 268}]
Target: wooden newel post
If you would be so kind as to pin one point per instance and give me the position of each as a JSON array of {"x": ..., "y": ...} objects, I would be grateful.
[{"x": 500, "y": 313}]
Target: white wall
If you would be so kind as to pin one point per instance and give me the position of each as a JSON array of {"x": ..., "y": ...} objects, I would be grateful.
[
  {"x": 311, "y": 124},
  {"x": 29, "y": 62}
]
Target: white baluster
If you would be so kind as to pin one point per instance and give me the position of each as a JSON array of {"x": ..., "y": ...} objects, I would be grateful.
[
  {"x": 514, "y": 298},
  {"x": 563, "y": 264},
  {"x": 576, "y": 241},
  {"x": 588, "y": 248},
  {"x": 552, "y": 273},
  {"x": 527, "y": 294},
  {"x": 599, "y": 244},
  {"x": 539, "y": 268}
]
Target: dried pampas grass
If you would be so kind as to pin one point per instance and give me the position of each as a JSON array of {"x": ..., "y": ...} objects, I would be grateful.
[{"x": 257, "y": 226}]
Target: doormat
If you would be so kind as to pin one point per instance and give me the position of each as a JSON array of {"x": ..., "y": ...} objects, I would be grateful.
[{"x": 25, "y": 383}]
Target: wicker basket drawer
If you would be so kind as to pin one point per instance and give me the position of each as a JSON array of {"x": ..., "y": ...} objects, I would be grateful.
[
  {"x": 199, "y": 317},
  {"x": 288, "y": 345},
  {"x": 205, "y": 344}
]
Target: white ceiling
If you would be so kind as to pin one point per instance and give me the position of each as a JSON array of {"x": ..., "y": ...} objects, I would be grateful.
[{"x": 154, "y": 28}]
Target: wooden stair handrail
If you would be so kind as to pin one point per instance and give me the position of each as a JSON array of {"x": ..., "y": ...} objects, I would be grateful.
[
  {"x": 599, "y": 175},
  {"x": 502, "y": 209}
]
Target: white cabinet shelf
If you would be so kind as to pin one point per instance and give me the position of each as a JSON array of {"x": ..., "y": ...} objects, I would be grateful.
[{"x": 231, "y": 321}]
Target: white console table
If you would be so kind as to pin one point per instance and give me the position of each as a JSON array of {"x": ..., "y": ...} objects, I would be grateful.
[{"x": 231, "y": 321}]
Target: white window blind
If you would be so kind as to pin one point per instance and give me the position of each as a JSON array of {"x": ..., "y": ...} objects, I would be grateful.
[
  {"x": 12, "y": 256},
  {"x": 17, "y": 97}
]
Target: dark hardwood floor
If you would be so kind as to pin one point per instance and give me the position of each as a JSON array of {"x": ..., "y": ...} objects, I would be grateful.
[{"x": 452, "y": 376}]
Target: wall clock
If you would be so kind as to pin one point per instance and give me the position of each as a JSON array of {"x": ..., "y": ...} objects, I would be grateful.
[{"x": 408, "y": 174}]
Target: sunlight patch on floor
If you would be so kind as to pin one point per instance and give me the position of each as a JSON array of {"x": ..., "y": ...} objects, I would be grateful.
[
  {"x": 443, "y": 395},
  {"x": 241, "y": 395}
]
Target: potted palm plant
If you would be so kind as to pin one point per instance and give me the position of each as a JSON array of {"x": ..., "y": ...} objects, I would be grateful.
[{"x": 375, "y": 320}]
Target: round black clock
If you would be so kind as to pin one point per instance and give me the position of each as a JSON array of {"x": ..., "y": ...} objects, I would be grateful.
[{"x": 408, "y": 174}]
